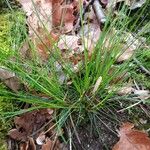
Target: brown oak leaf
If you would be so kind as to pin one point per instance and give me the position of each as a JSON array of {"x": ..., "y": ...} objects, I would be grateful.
[
  {"x": 132, "y": 139},
  {"x": 29, "y": 122},
  {"x": 63, "y": 16}
]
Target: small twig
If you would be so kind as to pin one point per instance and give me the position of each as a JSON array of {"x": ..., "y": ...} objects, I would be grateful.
[
  {"x": 142, "y": 67},
  {"x": 41, "y": 128},
  {"x": 135, "y": 104},
  {"x": 70, "y": 141},
  {"x": 76, "y": 133},
  {"x": 136, "y": 85},
  {"x": 107, "y": 126},
  {"x": 54, "y": 142},
  {"x": 99, "y": 12},
  {"x": 146, "y": 112},
  {"x": 50, "y": 128}
]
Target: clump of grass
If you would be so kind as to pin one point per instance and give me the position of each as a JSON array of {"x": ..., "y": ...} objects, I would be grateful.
[{"x": 90, "y": 89}]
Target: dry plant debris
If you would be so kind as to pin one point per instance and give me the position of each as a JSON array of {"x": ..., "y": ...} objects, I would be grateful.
[
  {"x": 133, "y": 4},
  {"x": 29, "y": 123},
  {"x": 36, "y": 129},
  {"x": 132, "y": 139},
  {"x": 9, "y": 79},
  {"x": 55, "y": 20}
]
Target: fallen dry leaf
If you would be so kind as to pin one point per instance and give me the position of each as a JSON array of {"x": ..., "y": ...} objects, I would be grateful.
[
  {"x": 29, "y": 145},
  {"x": 74, "y": 44},
  {"x": 125, "y": 90},
  {"x": 69, "y": 18},
  {"x": 127, "y": 54},
  {"x": 63, "y": 15},
  {"x": 29, "y": 123},
  {"x": 129, "y": 45},
  {"x": 131, "y": 139},
  {"x": 6, "y": 74},
  {"x": 17, "y": 135},
  {"x": 142, "y": 94},
  {"x": 133, "y": 4},
  {"x": 36, "y": 9},
  {"x": 44, "y": 47},
  {"x": 9, "y": 79},
  {"x": 137, "y": 4},
  {"x": 51, "y": 144},
  {"x": 25, "y": 51},
  {"x": 47, "y": 145},
  {"x": 91, "y": 30},
  {"x": 69, "y": 42}
]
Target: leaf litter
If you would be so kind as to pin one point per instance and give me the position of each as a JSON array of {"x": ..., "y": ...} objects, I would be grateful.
[
  {"x": 58, "y": 24},
  {"x": 35, "y": 129}
]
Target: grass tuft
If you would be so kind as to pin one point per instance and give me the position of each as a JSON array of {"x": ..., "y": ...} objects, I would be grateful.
[{"x": 91, "y": 89}]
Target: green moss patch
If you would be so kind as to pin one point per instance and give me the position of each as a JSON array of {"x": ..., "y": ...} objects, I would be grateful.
[{"x": 12, "y": 31}]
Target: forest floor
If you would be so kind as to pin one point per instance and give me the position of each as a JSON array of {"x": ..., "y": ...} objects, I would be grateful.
[{"x": 59, "y": 108}]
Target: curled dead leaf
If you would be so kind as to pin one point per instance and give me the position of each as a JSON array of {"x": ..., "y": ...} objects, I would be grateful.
[{"x": 68, "y": 42}]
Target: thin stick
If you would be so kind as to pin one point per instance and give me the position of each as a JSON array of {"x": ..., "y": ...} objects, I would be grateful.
[
  {"x": 138, "y": 88},
  {"x": 54, "y": 142},
  {"x": 106, "y": 126},
  {"x": 76, "y": 133},
  {"x": 99, "y": 12},
  {"x": 146, "y": 112},
  {"x": 135, "y": 104},
  {"x": 70, "y": 140},
  {"x": 41, "y": 128}
]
